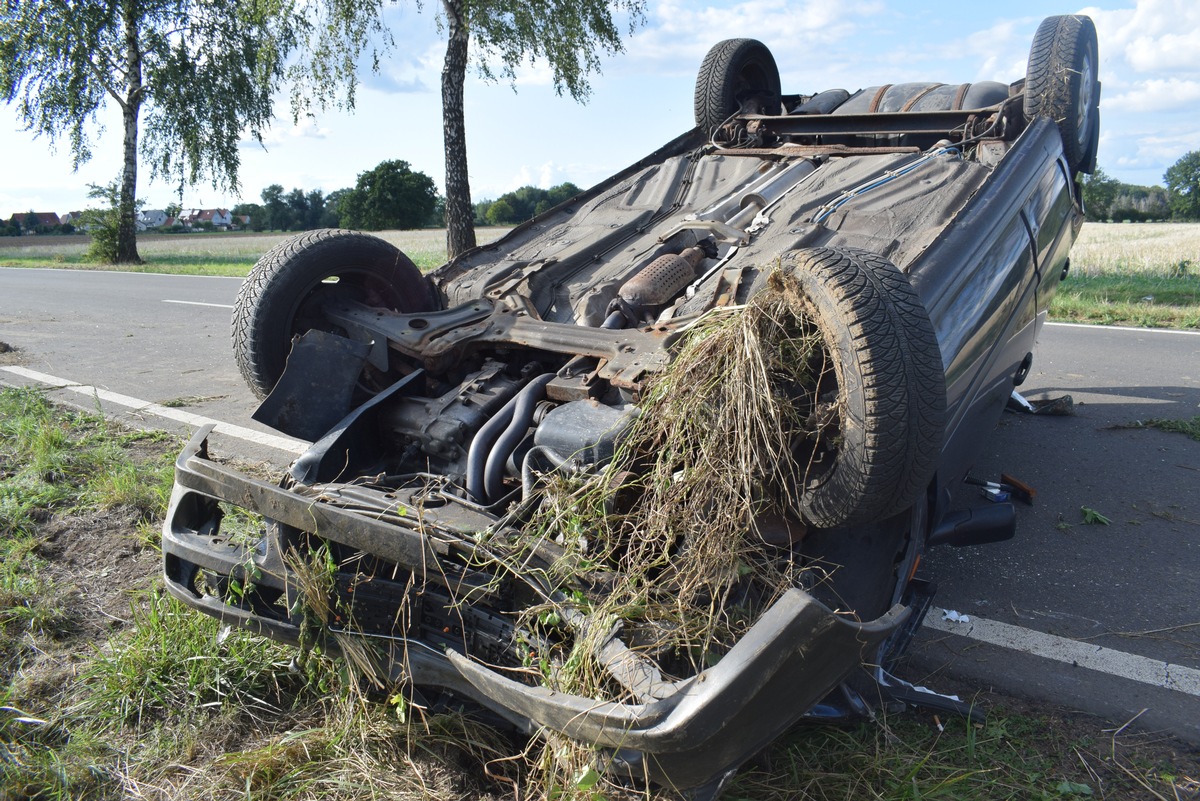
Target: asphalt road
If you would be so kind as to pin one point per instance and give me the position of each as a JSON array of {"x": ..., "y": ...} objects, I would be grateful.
[{"x": 1102, "y": 618}]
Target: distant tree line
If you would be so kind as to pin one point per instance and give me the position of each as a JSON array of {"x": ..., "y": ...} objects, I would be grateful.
[
  {"x": 1105, "y": 198},
  {"x": 392, "y": 195},
  {"x": 522, "y": 204}
]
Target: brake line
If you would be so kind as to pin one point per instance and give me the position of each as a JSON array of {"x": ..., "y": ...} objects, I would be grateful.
[{"x": 889, "y": 176}]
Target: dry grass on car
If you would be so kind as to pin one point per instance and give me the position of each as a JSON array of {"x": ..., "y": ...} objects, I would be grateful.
[{"x": 676, "y": 515}]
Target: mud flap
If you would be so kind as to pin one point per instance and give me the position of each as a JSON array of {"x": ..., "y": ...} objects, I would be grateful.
[{"x": 316, "y": 387}]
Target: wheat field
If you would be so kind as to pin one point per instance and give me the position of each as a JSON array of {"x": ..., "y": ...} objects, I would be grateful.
[{"x": 1165, "y": 249}]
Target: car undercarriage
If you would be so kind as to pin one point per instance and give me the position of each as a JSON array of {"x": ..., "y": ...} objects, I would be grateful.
[{"x": 655, "y": 471}]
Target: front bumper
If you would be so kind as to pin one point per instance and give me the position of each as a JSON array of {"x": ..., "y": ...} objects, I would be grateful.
[{"x": 681, "y": 734}]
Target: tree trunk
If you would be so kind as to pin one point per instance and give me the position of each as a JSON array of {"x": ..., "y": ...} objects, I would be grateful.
[
  {"x": 460, "y": 213},
  {"x": 127, "y": 206}
]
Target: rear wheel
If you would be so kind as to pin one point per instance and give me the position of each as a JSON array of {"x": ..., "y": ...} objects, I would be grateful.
[
  {"x": 736, "y": 74},
  {"x": 285, "y": 293},
  {"x": 1061, "y": 84}
]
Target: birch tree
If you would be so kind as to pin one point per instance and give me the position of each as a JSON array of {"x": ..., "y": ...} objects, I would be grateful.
[
  {"x": 190, "y": 78},
  {"x": 568, "y": 35}
]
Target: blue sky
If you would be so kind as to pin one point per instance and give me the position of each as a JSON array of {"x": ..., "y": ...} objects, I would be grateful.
[{"x": 1149, "y": 66}]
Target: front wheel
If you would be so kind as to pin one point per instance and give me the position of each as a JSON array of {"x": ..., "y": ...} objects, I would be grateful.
[
  {"x": 284, "y": 295},
  {"x": 881, "y": 396}
]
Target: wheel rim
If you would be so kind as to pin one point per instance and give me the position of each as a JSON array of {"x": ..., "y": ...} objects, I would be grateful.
[{"x": 1087, "y": 90}]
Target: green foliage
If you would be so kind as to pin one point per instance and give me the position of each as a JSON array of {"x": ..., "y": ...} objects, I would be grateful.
[
  {"x": 1183, "y": 180},
  {"x": 191, "y": 78},
  {"x": 1099, "y": 189},
  {"x": 1105, "y": 198},
  {"x": 104, "y": 223},
  {"x": 500, "y": 213},
  {"x": 523, "y": 204},
  {"x": 568, "y": 35},
  {"x": 292, "y": 211},
  {"x": 391, "y": 196}
]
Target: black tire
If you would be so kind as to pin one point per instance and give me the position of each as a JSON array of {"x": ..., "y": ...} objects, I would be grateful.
[
  {"x": 1061, "y": 84},
  {"x": 734, "y": 71},
  {"x": 282, "y": 297},
  {"x": 879, "y": 451}
]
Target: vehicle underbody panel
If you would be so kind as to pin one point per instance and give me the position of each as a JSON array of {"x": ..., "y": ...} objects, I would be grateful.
[{"x": 896, "y": 258}]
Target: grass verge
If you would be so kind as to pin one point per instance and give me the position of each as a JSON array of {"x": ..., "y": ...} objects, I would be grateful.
[
  {"x": 222, "y": 254},
  {"x": 1144, "y": 274},
  {"x": 1145, "y": 300},
  {"x": 111, "y": 690}
]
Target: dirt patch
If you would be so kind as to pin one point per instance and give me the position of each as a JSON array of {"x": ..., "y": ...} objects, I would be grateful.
[
  {"x": 102, "y": 559},
  {"x": 96, "y": 565},
  {"x": 9, "y": 354}
]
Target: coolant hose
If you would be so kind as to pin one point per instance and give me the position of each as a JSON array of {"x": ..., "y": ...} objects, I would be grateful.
[
  {"x": 522, "y": 416},
  {"x": 485, "y": 438},
  {"x": 615, "y": 320},
  {"x": 540, "y": 459}
]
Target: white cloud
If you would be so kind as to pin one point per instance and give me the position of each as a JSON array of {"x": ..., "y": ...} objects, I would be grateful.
[
  {"x": 1155, "y": 35},
  {"x": 305, "y": 128},
  {"x": 678, "y": 34},
  {"x": 1157, "y": 94}
]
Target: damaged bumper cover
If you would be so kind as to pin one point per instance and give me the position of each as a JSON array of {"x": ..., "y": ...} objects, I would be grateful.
[{"x": 680, "y": 734}]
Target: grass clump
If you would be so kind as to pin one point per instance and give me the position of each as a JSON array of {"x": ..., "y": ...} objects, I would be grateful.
[
  {"x": 1189, "y": 427},
  {"x": 54, "y": 461},
  {"x": 172, "y": 662},
  {"x": 712, "y": 462}
]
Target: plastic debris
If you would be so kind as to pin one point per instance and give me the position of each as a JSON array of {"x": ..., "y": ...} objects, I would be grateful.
[
  {"x": 1063, "y": 405},
  {"x": 955, "y": 617}
]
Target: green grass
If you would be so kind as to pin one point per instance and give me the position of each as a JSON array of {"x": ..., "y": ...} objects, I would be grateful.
[
  {"x": 1144, "y": 274},
  {"x": 1012, "y": 756},
  {"x": 226, "y": 254},
  {"x": 1137, "y": 299},
  {"x": 52, "y": 461},
  {"x": 173, "y": 663},
  {"x": 1190, "y": 428}
]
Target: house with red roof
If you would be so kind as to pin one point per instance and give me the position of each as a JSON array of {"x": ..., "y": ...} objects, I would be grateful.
[{"x": 34, "y": 221}]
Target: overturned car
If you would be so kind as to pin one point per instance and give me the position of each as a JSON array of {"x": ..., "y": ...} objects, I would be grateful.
[{"x": 654, "y": 472}]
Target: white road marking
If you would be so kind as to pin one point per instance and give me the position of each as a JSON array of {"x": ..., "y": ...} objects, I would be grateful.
[
  {"x": 146, "y": 407},
  {"x": 1144, "y": 670},
  {"x": 1127, "y": 328},
  {"x": 198, "y": 303}
]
